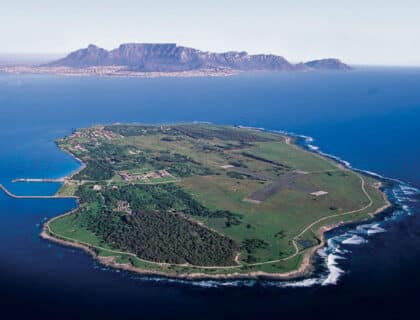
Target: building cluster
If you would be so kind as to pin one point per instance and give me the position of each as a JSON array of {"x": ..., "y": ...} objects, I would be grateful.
[
  {"x": 123, "y": 206},
  {"x": 95, "y": 134},
  {"x": 130, "y": 177}
]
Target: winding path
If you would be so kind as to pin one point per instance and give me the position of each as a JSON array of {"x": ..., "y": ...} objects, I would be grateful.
[{"x": 294, "y": 240}]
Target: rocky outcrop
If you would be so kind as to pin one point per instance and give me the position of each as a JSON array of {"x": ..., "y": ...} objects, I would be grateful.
[{"x": 327, "y": 64}]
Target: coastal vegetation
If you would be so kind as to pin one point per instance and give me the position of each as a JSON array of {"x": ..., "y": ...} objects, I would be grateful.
[
  {"x": 199, "y": 198},
  {"x": 141, "y": 221}
]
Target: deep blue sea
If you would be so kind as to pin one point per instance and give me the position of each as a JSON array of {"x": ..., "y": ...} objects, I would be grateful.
[{"x": 369, "y": 117}]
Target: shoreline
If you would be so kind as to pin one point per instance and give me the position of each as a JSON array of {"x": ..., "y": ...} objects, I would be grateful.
[
  {"x": 306, "y": 266},
  {"x": 53, "y": 196},
  {"x": 76, "y": 171},
  {"x": 114, "y": 71},
  {"x": 305, "y": 269}
]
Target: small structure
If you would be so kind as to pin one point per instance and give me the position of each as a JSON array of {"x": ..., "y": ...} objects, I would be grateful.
[
  {"x": 164, "y": 173},
  {"x": 319, "y": 193},
  {"x": 97, "y": 187},
  {"x": 123, "y": 206},
  {"x": 253, "y": 201},
  {"x": 124, "y": 175},
  {"x": 130, "y": 177},
  {"x": 227, "y": 166},
  {"x": 80, "y": 148},
  {"x": 300, "y": 172}
]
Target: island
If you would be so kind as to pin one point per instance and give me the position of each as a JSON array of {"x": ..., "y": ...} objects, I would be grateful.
[
  {"x": 149, "y": 60},
  {"x": 198, "y": 200}
]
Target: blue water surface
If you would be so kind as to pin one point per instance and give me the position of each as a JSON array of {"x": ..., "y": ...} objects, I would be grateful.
[{"x": 369, "y": 117}]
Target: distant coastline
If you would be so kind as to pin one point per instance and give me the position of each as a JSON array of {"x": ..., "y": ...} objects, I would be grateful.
[
  {"x": 114, "y": 71},
  {"x": 151, "y": 60}
]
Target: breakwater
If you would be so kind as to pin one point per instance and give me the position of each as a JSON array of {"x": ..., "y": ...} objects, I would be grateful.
[
  {"x": 37, "y": 180},
  {"x": 7, "y": 192}
]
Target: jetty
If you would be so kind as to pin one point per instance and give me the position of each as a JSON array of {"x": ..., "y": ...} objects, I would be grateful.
[
  {"x": 8, "y": 193},
  {"x": 38, "y": 180}
]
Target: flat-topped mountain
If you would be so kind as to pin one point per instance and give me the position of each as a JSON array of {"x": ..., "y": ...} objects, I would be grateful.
[{"x": 169, "y": 57}]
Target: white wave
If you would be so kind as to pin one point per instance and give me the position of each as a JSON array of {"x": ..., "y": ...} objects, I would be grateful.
[
  {"x": 341, "y": 251},
  {"x": 409, "y": 191},
  {"x": 256, "y": 128},
  {"x": 369, "y": 229},
  {"x": 330, "y": 256},
  {"x": 371, "y": 173},
  {"x": 331, "y": 156},
  {"x": 375, "y": 228},
  {"x": 301, "y": 283},
  {"x": 334, "y": 272},
  {"x": 206, "y": 284},
  {"x": 354, "y": 240},
  {"x": 405, "y": 194},
  {"x": 315, "y": 148},
  {"x": 346, "y": 163},
  {"x": 330, "y": 243},
  {"x": 323, "y": 252},
  {"x": 407, "y": 209},
  {"x": 197, "y": 283}
]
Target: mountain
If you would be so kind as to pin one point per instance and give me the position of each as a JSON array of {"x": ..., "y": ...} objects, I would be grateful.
[{"x": 169, "y": 57}]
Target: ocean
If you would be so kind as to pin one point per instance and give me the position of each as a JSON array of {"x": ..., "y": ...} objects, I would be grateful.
[{"x": 368, "y": 118}]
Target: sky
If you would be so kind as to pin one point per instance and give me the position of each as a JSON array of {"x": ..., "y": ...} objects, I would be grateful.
[{"x": 367, "y": 32}]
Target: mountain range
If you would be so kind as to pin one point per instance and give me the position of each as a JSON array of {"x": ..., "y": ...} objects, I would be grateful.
[{"x": 169, "y": 57}]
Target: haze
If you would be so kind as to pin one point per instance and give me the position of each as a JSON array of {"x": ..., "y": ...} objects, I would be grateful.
[{"x": 374, "y": 33}]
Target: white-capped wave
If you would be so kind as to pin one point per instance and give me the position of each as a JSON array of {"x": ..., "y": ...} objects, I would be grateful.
[
  {"x": 341, "y": 251},
  {"x": 375, "y": 228},
  {"x": 314, "y": 148},
  {"x": 300, "y": 283},
  {"x": 354, "y": 239},
  {"x": 198, "y": 283},
  {"x": 334, "y": 271},
  {"x": 409, "y": 191},
  {"x": 369, "y": 229}
]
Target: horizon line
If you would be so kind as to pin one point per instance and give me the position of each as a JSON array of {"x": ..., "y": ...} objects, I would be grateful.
[{"x": 64, "y": 54}]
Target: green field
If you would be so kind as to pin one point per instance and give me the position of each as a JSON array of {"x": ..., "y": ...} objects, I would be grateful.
[{"x": 236, "y": 200}]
